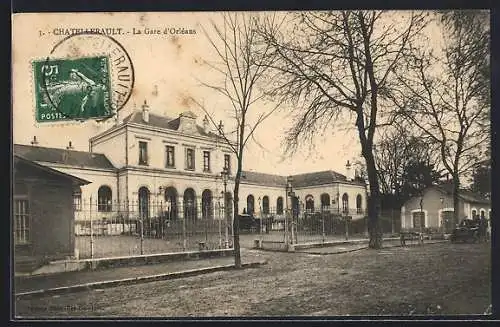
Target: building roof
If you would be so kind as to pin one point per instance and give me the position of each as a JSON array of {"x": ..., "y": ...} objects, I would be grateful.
[
  {"x": 320, "y": 178},
  {"x": 299, "y": 180},
  {"x": 253, "y": 177},
  {"x": 465, "y": 195},
  {"x": 75, "y": 180},
  {"x": 63, "y": 156},
  {"x": 164, "y": 122}
]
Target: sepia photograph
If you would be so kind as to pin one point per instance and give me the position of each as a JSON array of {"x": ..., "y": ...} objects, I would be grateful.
[{"x": 251, "y": 164}]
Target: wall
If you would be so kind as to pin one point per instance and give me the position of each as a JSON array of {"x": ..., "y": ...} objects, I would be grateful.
[
  {"x": 51, "y": 208},
  {"x": 431, "y": 206},
  {"x": 157, "y": 142},
  {"x": 259, "y": 192},
  {"x": 90, "y": 191},
  {"x": 332, "y": 189},
  {"x": 113, "y": 146}
]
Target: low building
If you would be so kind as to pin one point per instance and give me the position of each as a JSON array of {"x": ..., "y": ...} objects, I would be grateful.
[
  {"x": 43, "y": 215},
  {"x": 435, "y": 208}
]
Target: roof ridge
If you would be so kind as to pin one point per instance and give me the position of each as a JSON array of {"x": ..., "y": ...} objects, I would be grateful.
[{"x": 62, "y": 149}]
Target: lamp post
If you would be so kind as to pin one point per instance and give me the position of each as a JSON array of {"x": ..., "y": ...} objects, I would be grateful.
[{"x": 225, "y": 175}]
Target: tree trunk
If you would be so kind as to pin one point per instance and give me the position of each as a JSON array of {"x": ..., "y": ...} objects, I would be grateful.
[
  {"x": 236, "y": 221},
  {"x": 374, "y": 231},
  {"x": 456, "y": 200}
]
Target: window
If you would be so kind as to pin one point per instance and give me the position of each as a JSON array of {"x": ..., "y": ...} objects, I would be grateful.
[
  {"x": 170, "y": 159},
  {"x": 104, "y": 198},
  {"x": 227, "y": 163},
  {"x": 206, "y": 205},
  {"x": 325, "y": 201},
  {"x": 190, "y": 159},
  {"x": 143, "y": 202},
  {"x": 359, "y": 206},
  {"x": 22, "y": 222},
  {"x": 206, "y": 161},
  {"x": 143, "y": 153},
  {"x": 345, "y": 203},
  {"x": 77, "y": 200},
  {"x": 265, "y": 204},
  {"x": 279, "y": 206},
  {"x": 250, "y": 204},
  {"x": 309, "y": 203}
]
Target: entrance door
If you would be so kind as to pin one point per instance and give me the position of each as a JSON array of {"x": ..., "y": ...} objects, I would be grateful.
[{"x": 447, "y": 221}]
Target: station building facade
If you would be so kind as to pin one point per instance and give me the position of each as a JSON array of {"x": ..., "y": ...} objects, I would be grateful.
[{"x": 147, "y": 158}]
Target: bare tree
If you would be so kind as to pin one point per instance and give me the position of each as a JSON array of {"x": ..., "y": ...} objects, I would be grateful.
[
  {"x": 335, "y": 66},
  {"x": 446, "y": 95},
  {"x": 241, "y": 62},
  {"x": 398, "y": 151}
]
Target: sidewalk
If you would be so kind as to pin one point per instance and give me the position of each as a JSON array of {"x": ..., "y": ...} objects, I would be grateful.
[
  {"x": 356, "y": 245},
  {"x": 61, "y": 282}
]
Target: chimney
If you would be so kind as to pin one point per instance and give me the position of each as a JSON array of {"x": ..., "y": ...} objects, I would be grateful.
[
  {"x": 187, "y": 122},
  {"x": 34, "y": 142},
  {"x": 348, "y": 173},
  {"x": 70, "y": 146},
  {"x": 145, "y": 112},
  {"x": 206, "y": 124}
]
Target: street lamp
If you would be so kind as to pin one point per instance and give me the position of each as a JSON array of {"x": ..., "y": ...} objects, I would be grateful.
[{"x": 225, "y": 175}]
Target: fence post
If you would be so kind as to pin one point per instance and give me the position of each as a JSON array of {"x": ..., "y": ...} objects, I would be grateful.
[
  {"x": 141, "y": 214},
  {"x": 346, "y": 229},
  {"x": 226, "y": 223},
  {"x": 91, "y": 231},
  {"x": 322, "y": 227},
  {"x": 183, "y": 217},
  {"x": 260, "y": 221},
  {"x": 220, "y": 223}
]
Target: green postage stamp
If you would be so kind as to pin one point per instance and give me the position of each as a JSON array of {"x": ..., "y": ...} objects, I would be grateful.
[{"x": 72, "y": 89}]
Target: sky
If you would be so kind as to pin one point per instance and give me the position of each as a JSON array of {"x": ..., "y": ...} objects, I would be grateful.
[{"x": 167, "y": 69}]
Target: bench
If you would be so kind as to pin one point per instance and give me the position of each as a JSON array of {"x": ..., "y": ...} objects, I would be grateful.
[{"x": 410, "y": 236}]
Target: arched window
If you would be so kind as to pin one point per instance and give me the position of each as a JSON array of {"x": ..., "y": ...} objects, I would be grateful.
[
  {"x": 345, "y": 203},
  {"x": 489, "y": 214},
  {"x": 279, "y": 206},
  {"x": 359, "y": 204},
  {"x": 171, "y": 203},
  {"x": 265, "y": 205},
  {"x": 474, "y": 213},
  {"x": 143, "y": 202},
  {"x": 250, "y": 204},
  {"x": 309, "y": 203},
  {"x": 482, "y": 214},
  {"x": 325, "y": 201},
  {"x": 189, "y": 204},
  {"x": 206, "y": 204},
  {"x": 104, "y": 198}
]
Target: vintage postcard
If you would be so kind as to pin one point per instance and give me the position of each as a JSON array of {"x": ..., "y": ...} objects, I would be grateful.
[{"x": 251, "y": 164}]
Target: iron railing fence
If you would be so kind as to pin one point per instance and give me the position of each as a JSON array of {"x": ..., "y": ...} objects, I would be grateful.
[
  {"x": 148, "y": 227},
  {"x": 320, "y": 224}
]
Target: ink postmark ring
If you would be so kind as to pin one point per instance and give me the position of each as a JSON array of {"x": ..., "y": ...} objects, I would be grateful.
[{"x": 85, "y": 76}]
